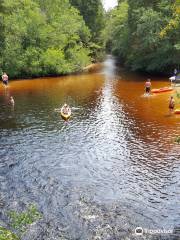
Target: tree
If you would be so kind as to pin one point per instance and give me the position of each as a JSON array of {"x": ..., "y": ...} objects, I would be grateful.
[
  {"x": 116, "y": 31},
  {"x": 94, "y": 17},
  {"x": 1, "y": 30},
  {"x": 93, "y": 14},
  {"x": 147, "y": 38},
  {"x": 43, "y": 37}
]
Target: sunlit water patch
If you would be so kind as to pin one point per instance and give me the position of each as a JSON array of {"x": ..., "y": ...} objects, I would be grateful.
[{"x": 114, "y": 166}]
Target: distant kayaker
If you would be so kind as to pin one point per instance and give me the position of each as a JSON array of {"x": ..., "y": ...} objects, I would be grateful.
[
  {"x": 5, "y": 79},
  {"x": 12, "y": 102},
  {"x": 171, "y": 104},
  {"x": 175, "y": 72},
  {"x": 66, "y": 109},
  {"x": 148, "y": 86}
]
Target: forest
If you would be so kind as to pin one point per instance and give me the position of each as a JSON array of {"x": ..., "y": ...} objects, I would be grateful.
[
  {"x": 145, "y": 35},
  {"x": 44, "y": 37}
]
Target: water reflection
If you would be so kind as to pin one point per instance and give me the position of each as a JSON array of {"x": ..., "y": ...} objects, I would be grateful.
[{"x": 112, "y": 167}]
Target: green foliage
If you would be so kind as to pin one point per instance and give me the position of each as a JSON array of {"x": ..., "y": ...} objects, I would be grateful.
[
  {"x": 20, "y": 221},
  {"x": 178, "y": 95},
  {"x": 39, "y": 36},
  {"x": 177, "y": 140},
  {"x": 1, "y": 30},
  {"x": 174, "y": 22},
  {"x": 78, "y": 58},
  {"x": 94, "y": 17},
  {"x": 7, "y": 235},
  {"x": 140, "y": 36},
  {"x": 116, "y": 30},
  {"x": 93, "y": 14}
]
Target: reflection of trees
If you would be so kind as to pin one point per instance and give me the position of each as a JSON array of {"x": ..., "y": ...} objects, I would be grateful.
[
  {"x": 150, "y": 139},
  {"x": 37, "y": 99}
]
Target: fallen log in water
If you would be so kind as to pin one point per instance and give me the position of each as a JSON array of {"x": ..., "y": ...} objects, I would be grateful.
[{"x": 93, "y": 67}]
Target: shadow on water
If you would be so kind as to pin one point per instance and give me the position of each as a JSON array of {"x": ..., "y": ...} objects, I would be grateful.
[{"x": 113, "y": 167}]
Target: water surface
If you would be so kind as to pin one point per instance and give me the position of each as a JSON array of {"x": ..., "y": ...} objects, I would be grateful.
[{"x": 113, "y": 167}]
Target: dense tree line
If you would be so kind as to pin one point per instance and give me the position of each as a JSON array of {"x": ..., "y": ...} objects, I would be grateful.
[
  {"x": 44, "y": 37},
  {"x": 93, "y": 14},
  {"x": 145, "y": 34},
  {"x": 94, "y": 17}
]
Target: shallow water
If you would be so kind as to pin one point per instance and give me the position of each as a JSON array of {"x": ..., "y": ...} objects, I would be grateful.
[{"x": 113, "y": 167}]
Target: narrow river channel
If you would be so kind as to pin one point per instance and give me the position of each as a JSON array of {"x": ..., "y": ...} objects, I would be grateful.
[{"x": 113, "y": 167}]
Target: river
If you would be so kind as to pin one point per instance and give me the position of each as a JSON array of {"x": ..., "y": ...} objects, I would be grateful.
[{"x": 113, "y": 167}]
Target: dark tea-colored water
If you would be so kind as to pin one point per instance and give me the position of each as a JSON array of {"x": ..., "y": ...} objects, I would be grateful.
[{"x": 113, "y": 167}]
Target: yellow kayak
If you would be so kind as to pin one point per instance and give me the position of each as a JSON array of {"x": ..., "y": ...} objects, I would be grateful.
[{"x": 65, "y": 116}]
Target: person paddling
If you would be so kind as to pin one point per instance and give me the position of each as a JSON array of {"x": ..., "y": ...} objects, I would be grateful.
[
  {"x": 66, "y": 109},
  {"x": 171, "y": 104},
  {"x": 5, "y": 79},
  {"x": 148, "y": 86},
  {"x": 175, "y": 72},
  {"x": 12, "y": 102},
  {"x": 66, "y": 112}
]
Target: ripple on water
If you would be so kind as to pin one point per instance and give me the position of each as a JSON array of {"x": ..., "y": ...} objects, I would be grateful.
[{"x": 101, "y": 174}]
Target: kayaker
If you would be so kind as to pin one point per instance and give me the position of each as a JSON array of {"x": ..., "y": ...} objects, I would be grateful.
[
  {"x": 175, "y": 72},
  {"x": 171, "y": 104},
  {"x": 5, "y": 79},
  {"x": 66, "y": 109},
  {"x": 148, "y": 86},
  {"x": 12, "y": 102}
]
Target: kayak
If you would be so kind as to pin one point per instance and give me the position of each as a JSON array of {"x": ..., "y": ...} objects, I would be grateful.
[
  {"x": 161, "y": 90},
  {"x": 177, "y": 111},
  {"x": 65, "y": 116}
]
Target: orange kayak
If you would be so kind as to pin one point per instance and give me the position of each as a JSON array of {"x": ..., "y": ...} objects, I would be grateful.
[
  {"x": 177, "y": 111},
  {"x": 161, "y": 90}
]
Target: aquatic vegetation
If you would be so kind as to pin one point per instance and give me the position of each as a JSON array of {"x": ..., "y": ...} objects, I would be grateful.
[
  {"x": 177, "y": 94},
  {"x": 7, "y": 235},
  {"x": 177, "y": 140},
  {"x": 20, "y": 221}
]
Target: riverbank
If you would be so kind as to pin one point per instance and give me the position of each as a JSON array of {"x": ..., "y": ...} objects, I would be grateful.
[
  {"x": 91, "y": 68},
  {"x": 150, "y": 74},
  {"x": 95, "y": 67}
]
